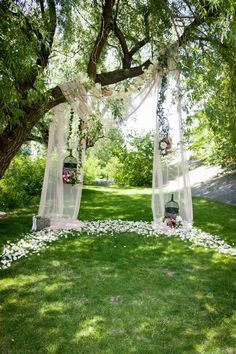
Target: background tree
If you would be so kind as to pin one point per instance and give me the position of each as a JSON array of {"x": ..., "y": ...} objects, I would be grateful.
[
  {"x": 104, "y": 158},
  {"x": 126, "y": 159},
  {"x": 136, "y": 159},
  {"x": 212, "y": 127},
  {"x": 44, "y": 43}
]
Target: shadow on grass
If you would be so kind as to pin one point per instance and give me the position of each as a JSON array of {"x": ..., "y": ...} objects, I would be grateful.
[
  {"x": 116, "y": 294},
  {"x": 216, "y": 218}
]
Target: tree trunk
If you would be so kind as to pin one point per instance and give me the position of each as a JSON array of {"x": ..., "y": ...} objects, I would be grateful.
[{"x": 12, "y": 139}]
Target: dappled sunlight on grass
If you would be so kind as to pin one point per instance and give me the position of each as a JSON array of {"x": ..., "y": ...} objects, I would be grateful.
[
  {"x": 52, "y": 308},
  {"x": 121, "y": 293},
  {"x": 215, "y": 227},
  {"x": 91, "y": 328},
  {"x": 215, "y": 218},
  {"x": 142, "y": 307}
]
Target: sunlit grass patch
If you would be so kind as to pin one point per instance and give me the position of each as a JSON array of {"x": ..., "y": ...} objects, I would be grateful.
[
  {"x": 132, "y": 293},
  {"x": 121, "y": 292}
]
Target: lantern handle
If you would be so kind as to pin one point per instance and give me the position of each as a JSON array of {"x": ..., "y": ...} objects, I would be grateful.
[{"x": 70, "y": 154}]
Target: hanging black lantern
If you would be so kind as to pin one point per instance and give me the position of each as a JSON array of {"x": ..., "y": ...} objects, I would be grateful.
[
  {"x": 70, "y": 174},
  {"x": 171, "y": 207}
]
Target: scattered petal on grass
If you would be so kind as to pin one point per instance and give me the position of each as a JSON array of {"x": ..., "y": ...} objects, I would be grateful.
[{"x": 33, "y": 242}]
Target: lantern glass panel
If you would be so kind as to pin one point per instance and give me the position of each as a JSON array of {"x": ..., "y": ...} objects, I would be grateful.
[
  {"x": 171, "y": 207},
  {"x": 70, "y": 174}
]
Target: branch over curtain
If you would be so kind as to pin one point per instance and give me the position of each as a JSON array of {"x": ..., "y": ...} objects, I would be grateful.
[{"x": 36, "y": 31}]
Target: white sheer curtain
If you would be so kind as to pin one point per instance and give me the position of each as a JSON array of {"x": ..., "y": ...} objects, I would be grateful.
[
  {"x": 60, "y": 202},
  {"x": 170, "y": 167},
  {"x": 170, "y": 170}
]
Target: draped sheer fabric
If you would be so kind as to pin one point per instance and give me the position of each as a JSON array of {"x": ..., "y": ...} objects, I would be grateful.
[
  {"x": 60, "y": 202},
  {"x": 170, "y": 171}
]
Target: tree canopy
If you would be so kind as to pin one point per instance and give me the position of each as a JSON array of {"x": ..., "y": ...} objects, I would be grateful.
[{"x": 47, "y": 42}]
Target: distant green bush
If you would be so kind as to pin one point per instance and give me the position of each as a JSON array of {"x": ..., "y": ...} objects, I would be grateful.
[
  {"x": 22, "y": 182},
  {"x": 128, "y": 162},
  {"x": 136, "y": 162}
]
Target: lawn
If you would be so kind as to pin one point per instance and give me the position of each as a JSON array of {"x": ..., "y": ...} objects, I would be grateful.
[{"x": 120, "y": 293}]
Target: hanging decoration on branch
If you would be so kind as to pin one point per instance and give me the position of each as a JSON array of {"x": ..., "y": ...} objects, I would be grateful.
[
  {"x": 79, "y": 133},
  {"x": 165, "y": 143},
  {"x": 70, "y": 172},
  {"x": 171, "y": 192}
]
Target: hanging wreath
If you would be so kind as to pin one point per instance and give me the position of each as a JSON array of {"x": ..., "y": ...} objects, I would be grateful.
[{"x": 165, "y": 145}]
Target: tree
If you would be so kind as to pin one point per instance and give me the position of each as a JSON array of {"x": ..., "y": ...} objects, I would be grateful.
[
  {"x": 212, "y": 128},
  {"x": 37, "y": 34},
  {"x": 127, "y": 160},
  {"x": 103, "y": 158},
  {"x": 136, "y": 159}
]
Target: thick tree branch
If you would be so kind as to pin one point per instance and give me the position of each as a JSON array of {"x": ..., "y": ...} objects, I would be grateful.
[
  {"x": 50, "y": 24},
  {"x": 56, "y": 97},
  {"x": 138, "y": 46},
  {"x": 115, "y": 76},
  {"x": 126, "y": 58},
  {"x": 41, "y": 2},
  {"x": 105, "y": 28},
  {"x": 107, "y": 78}
]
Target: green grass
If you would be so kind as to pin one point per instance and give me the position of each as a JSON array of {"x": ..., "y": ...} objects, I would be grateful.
[
  {"x": 15, "y": 223},
  {"x": 135, "y": 204},
  {"x": 123, "y": 293}
]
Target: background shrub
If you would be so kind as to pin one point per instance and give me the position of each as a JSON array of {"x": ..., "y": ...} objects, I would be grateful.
[{"x": 22, "y": 182}]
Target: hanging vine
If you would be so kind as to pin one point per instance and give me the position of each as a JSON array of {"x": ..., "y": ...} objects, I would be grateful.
[
  {"x": 165, "y": 142},
  {"x": 70, "y": 130},
  {"x": 80, "y": 135}
]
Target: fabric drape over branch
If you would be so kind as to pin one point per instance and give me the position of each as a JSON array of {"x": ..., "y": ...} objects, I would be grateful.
[
  {"x": 170, "y": 167},
  {"x": 62, "y": 200}
]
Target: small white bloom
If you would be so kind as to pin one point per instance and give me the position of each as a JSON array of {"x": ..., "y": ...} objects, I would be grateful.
[{"x": 163, "y": 145}]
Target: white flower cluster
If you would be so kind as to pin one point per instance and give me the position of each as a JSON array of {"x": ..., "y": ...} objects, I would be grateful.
[{"x": 33, "y": 242}]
